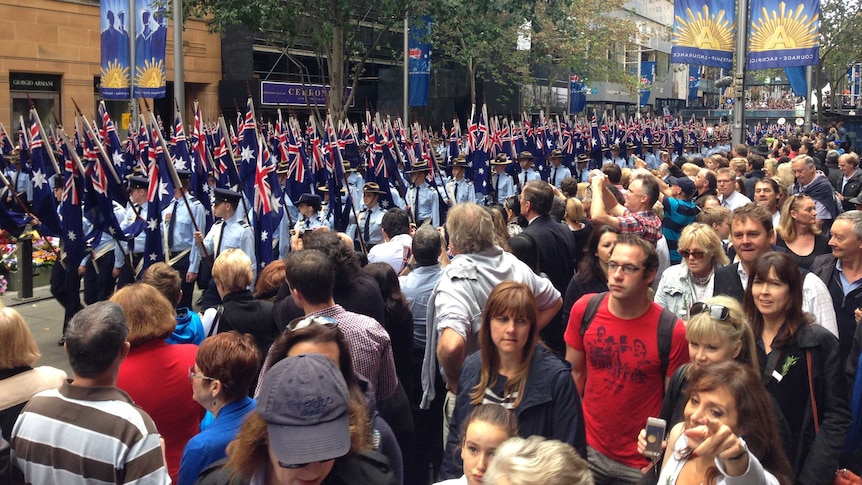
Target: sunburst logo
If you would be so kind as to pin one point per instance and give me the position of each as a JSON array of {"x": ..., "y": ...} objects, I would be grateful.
[
  {"x": 152, "y": 75},
  {"x": 704, "y": 30},
  {"x": 115, "y": 75},
  {"x": 784, "y": 29}
]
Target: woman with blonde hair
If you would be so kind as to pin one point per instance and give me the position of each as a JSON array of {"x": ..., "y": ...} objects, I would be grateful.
[
  {"x": 156, "y": 373},
  {"x": 694, "y": 279},
  {"x": 799, "y": 231},
  {"x": 19, "y": 380},
  {"x": 581, "y": 228},
  {"x": 512, "y": 369}
]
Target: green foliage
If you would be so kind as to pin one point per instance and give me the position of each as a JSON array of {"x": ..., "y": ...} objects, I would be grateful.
[{"x": 341, "y": 33}]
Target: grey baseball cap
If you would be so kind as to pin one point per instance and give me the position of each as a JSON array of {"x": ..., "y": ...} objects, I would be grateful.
[{"x": 304, "y": 402}]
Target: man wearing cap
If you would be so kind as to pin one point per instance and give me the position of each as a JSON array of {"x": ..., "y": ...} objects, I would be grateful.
[
  {"x": 88, "y": 430},
  {"x": 502, "y": 185},
  {"x": 423, "y": 202},
  {"x": 583, "y": 171},
  {"x": 679, "y": 210},
  {"x": 459, "y": 188},
  {"x": 180, "y": 218},
  {"x": 650, "y": 157},
  {"x": 615, "y": 157},
  {"x": 228, "y": 232},
  {"x": 137, "y": 209},
  {"x": 557, "y": 171},
  {"x": 525, "y": 159},
  {"x": 371, "y": 215},
  {"x": 311, "y": 215}
]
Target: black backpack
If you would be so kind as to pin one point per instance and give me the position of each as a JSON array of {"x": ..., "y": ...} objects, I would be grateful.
[{"x": 665, "y": 327}]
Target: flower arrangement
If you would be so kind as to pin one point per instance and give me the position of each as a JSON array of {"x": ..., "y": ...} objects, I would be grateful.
[
  {"x": 44, "y": 252},
  {"x": 3, "y": 284}
]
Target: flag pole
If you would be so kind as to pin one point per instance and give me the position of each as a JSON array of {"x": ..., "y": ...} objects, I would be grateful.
[{"x": 738, "y": 133}]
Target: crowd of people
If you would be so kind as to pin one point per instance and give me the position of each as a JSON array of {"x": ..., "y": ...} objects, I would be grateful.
[{"x": 527, "y": 341}]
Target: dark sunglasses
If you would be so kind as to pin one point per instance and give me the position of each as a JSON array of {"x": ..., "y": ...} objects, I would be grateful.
[
  {"x": 686, "y": 253},
  {"x": 718, "y": 312}
]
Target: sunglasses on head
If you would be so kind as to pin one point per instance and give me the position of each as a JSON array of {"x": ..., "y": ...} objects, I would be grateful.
[
  {"x": 718, "y": 312},
  {"x": 303, "y": 322}
]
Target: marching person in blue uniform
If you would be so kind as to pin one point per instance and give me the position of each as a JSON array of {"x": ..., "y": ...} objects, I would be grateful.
[
  {"x": 528, "y": 172},
  {"x": 615, "y": 157},
  {"x": 102, "y": 262},
  {"x": 229, "y": 232},
  {"x": 651, "y": 156},
  {"x": 137, "y": 209},
  {"x": 459, "y": 188},
  {"x": 557, "y": 171},
  {"x": 354, "y": 184},
  {"x": 179, "y": 230},
  {"x": 583, "y": 171},
  {"x": 422, "y": 200},
  {"x": 502, "y": 185},
  {"x": 311, "y": 215},
  {"x": 371, "y": 215}
]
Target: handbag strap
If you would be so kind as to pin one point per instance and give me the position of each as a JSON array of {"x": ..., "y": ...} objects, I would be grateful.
[{"x": 811, "y": 391}]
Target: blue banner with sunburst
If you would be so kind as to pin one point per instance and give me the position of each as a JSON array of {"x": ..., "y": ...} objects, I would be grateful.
[
  {"x": 152, "y": 35},
  {"x": 115, "y": 69},
  {"x": 784, "y": 34},
  {"x": 703, "y": 32}
]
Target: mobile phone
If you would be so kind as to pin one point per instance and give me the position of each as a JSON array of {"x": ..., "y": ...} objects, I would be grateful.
[{"x": 654, "y": 436}]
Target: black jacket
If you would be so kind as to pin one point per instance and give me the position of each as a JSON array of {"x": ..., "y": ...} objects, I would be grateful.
[
  {"x": 550, "y": 408},
  {"x": 246, "y": 315},
  {"x": 824, "y": 268},
  {"x": 851, "y": 189},
  {"x": 815, "y": 455}
]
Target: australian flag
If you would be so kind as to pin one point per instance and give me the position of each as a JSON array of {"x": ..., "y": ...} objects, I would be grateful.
[
  {"x": 44, "y": 206},
  {"x": 70, "y": 210}
]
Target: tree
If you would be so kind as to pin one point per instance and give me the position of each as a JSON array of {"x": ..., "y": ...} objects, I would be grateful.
[
  {"x": 343, "y": 35},
  {"x": 581, "y": 36},
  {"x": 481, "y": 36},
  {"x": 840, "y": 31}
]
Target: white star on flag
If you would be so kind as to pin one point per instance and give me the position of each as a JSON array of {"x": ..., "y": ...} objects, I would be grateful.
[
  {"x": 384, "y": 204},
  {"x": 117, "y": 158},
  {"x": 264, "y": 236},
  {"x": 247, "y": 154},
  {"x": 72, "y": 236},
  {"x": 152, "y": 225},
  {"x": 154, "y": 257},
  {"x": 112, "y": 231},
  {"x": 39, "y": 179},
  {"x": 481, "y": 171},
  {"x": 163, "y": 189},
  {"x": 181, "y": 164}
]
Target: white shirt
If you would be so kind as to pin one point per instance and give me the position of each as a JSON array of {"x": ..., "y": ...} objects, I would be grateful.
[
  {"x": 391, "y": 252},
  {"x": 735, "y": 200}
]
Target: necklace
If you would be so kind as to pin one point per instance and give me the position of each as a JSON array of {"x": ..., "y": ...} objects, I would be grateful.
[{"x": 701, "y": 281}]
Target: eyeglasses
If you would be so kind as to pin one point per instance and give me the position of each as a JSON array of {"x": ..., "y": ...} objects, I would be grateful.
[
  {"x": 627, "y": 268},
  {"x": 718, "y": 312},
  {"x": 686, "y": 253},
  {"x": 303, "y": 322},
  {"x": 193, "y": 375}
]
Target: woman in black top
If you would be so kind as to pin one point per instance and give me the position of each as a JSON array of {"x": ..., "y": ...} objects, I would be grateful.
[{"x": 592, "y": 274}]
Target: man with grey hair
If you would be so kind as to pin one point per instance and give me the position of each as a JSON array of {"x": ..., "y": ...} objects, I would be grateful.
[
  {"x": 455, "y": 306},
  {"x": 842, "y": 272},
  {"x": 849, "y": 183},
  {"x": 89, "y": 430},
  {"x": 815, "y": 184},
  {"x": 417, "y": 285}
]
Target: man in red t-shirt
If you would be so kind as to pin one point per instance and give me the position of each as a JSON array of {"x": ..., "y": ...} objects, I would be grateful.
[{"x": 616, "y": 363}]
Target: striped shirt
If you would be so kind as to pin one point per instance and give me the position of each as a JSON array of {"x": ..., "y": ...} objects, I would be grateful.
[{"x": 87, "y": 435}]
